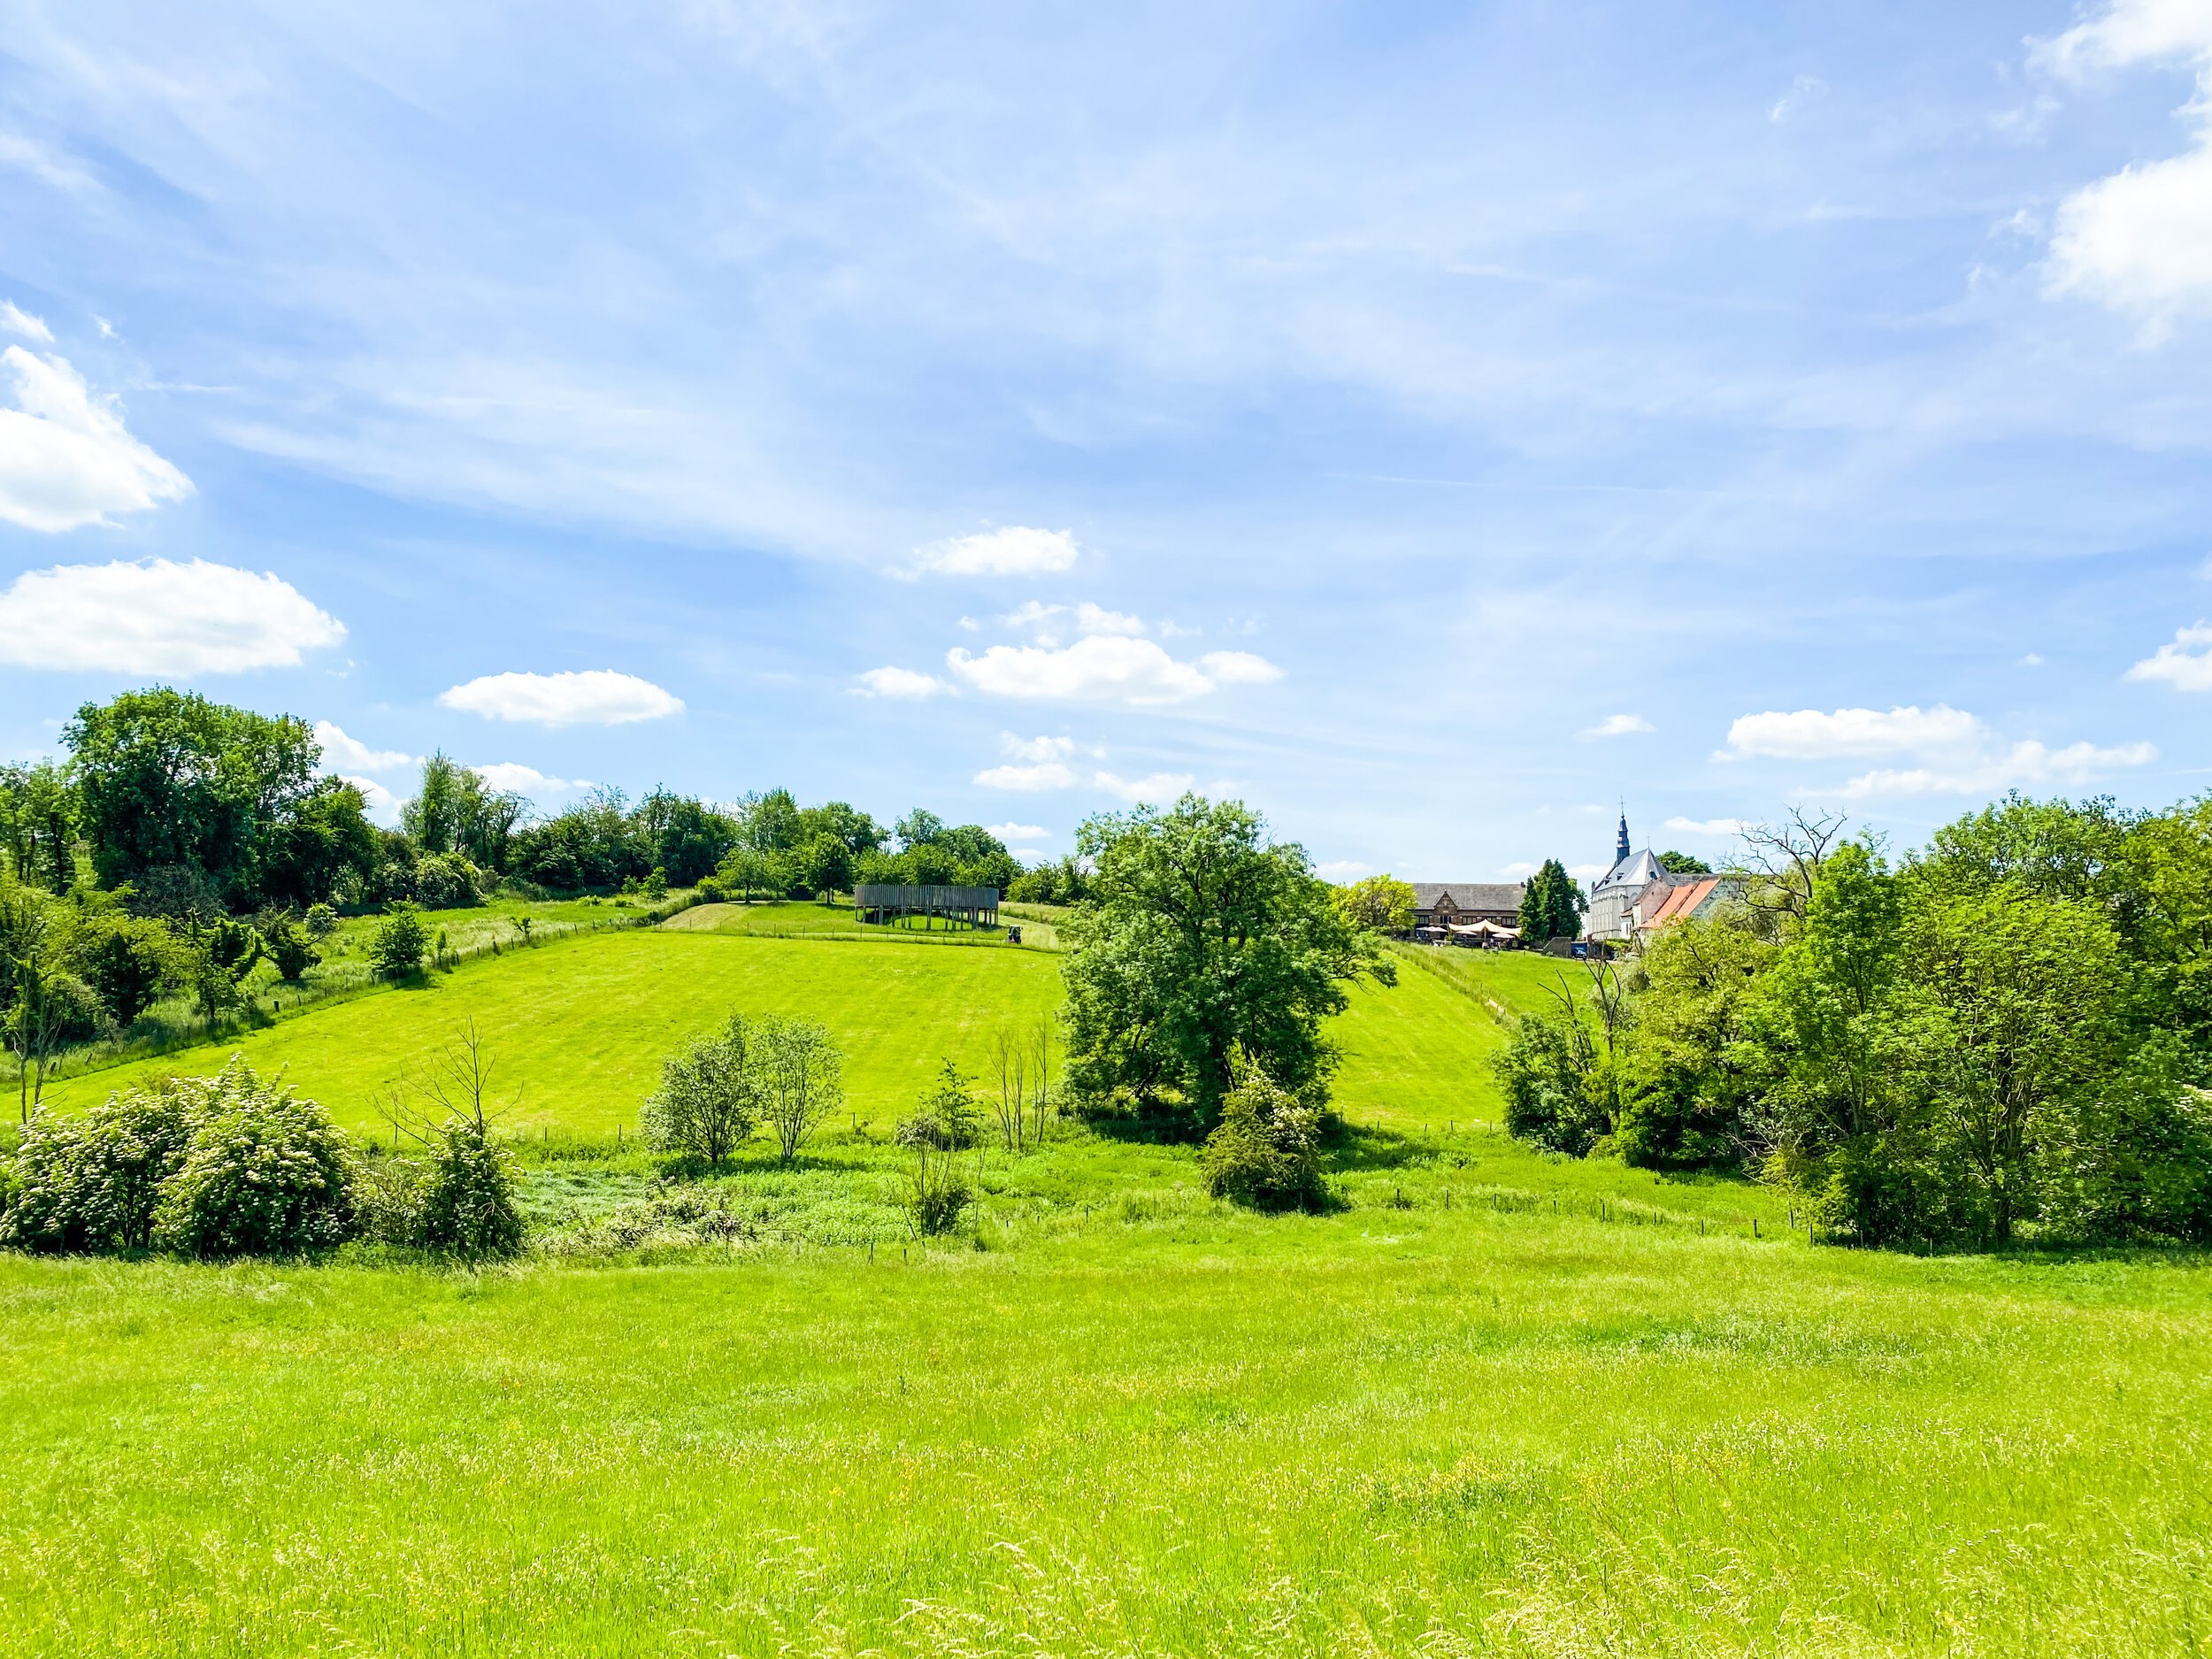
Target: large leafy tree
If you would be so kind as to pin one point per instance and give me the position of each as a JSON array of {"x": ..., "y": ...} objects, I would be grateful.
[
  {"x": 1203, "y": 940},
  {"x": 1382, "y": 904},
  {"x": 326, "y": 835},
  {"x": 168, "y": 778},
  {"x": 38, "y": 825}
]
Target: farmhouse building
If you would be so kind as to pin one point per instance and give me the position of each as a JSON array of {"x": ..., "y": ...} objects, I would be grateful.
[{"x": 1463, "y": 903}]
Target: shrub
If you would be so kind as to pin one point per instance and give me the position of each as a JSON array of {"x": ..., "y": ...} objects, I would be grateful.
[
  {"x": 446, "y": 881},
  {"x": 947, "y": 1119},
  {"x": 288, "y": 947},
  {"x": 1266, "y": 1150},
  {"x": 94, "y": 1183},
  {"x": 397, "y": 948},
  {"x": 466, "y": 1203},
  {"x": 268, "y": 1174},
  {"x": 322, "y": 921},
  {"x": 710, "y": 890},
  {"x": 1550, "y": 1072},
  {"x": 128, "y": 960},
  {"x": 711, "y": 1094},
  {"x": 937, "y": 1193}
]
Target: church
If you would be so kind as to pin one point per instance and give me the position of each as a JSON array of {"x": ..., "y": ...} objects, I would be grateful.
[{"x": 1639, "y": 895}]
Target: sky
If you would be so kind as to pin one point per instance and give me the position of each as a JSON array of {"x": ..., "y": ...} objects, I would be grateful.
[{"x": 1441, "y": 426}]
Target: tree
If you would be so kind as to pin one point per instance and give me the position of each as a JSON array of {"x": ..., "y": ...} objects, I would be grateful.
[
  {"x": 917, "y": 828},
  {"x": 750, "y": 869},
  {"x": 129, "y": 960},
  {"x": 1382, "y": 904},
  {"x": 1683, "y": 864},
  {"x": 434, "y": 816},
  {"x": 712, "y": 1094},
  {"x": 1551, "y": 905},
  {"x": 286, "y": 944},
  {"x": 825, "y": 864},
  {"x": 325, "y": 841},
  {"x": 167, "y": 776},
  {"x": 397, "y": 948},
  {"x": 38, "y": 825},
  {"x": 1203, "y": 939},
  {"x": 802, "y": 1077}
]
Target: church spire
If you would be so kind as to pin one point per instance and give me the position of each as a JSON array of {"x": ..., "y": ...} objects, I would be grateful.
[{"x": 1620, "y": 847}]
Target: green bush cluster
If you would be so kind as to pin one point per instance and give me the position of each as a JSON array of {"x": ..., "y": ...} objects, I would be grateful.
[
  {"x": 1266, "y": 1150},
  {"x": 217, "y": 1166},
  {"x": 2010, "y": 1031}
]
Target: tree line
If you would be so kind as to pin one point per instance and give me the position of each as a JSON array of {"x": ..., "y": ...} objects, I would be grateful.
[{"x": 2008, "y": 1030}]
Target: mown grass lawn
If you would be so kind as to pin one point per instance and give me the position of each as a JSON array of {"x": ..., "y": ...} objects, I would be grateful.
[
  {"x": 1426, "y": 1431},
  {"x": 579, "y": 1027}
]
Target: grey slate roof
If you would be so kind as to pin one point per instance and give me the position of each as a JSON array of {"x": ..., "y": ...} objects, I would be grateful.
[
  {"x": 1635, "y": 870},
  {"x": 1468, "y": 896}
]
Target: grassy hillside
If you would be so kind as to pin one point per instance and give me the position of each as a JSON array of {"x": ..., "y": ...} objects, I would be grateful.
[
  {"x": 580, "y": 1027},
  {"x": 1418, "y": 1431}
]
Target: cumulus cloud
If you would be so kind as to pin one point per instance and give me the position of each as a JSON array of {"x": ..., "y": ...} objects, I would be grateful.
[
  {"x": 1519, "y": 871},
  {"x": 1343, "y": 870},
  {"x": 899, "y": 682},
  {"x": 1014, "y": 551},
  {"x": 1615, "y": 726},
  {"x": 1587, "y": 873},
  {"x": 159, "y": 617},
  {"x": 2185, "y": 663},
  {"x": 1048, "y": 774},
  {"x": 65, "y": 459},
  {"x": 18, "y": 321},
  {"x": 2025, "y": 764},
  {"x": 597, "y": 696},
  {"x": 1723, "y": 827},
  {"x": 513, "y": 777},
  {"x": 1157, "y": 788},
  {"x": 1809, "y": 734},
  {"x": 1013, "y": 833},
  {"x": 2140, "y": 240},
  {"x": 1049, "y": 624},
  {"x": 1105, "y": 668},
  {"x": 1015, "y": 748},
  {"x": 1954, "y": 752},
  {"x": 349, "y": 753},
  {"x": 382, "y": 805}
]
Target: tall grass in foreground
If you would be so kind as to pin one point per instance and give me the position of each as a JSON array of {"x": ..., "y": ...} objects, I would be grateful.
[{"x": 1172, "y": 1429}]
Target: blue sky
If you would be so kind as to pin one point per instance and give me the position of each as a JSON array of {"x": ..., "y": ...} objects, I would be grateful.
[{"x": 1434, "y": 424}]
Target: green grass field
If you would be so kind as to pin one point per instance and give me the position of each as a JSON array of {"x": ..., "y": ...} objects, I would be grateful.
[
  {"x": 580, "y": 1027},
  {"x": 1495, "y": 1402}
]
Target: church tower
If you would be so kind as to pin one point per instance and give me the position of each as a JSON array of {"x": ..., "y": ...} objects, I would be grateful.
[{"x": 1620, "y": 847}]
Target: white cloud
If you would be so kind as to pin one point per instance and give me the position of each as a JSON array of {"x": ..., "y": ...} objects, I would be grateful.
[
  {"x": 65, "y": 459},
  {"x": 1239, "y": 668},
  {"x": 1051, "y": 774},
  {"x": 383, "y": 805},
  {"x": 1809, "y": 734},
  {"x": 18, "y": 321},
  {"x": 1048, "y": 624},
  {"x": 1014, "y": 551},
  {"x": 2185, "y": 664},
  {"x": 1615, "y": 726},
  {"x": 1105, "y": 668},
  {"x": 597, "y": 696},
  {"x": 2140, "y": 240},
  {"x": 1013, "y": 833},
  {"x": 1519, "y": 871},
  {"x": 1723, "y": 827},
  {"x": 2025, "y": 763},
  {"x": 1157, "y": 788},
  {"x": 1587, "y": 873},
  {"x": 2033, "y": 659},
  {"x": 1343, "y": 870},
  {"x": 1802, "y": 91},
  {"x": 899, "y": 682},
  {"x": 1036, "y": 748},
  {"x": 513, "y": 777},
  {"x": 158, "y": 617},
  {"x": 351, "y": 755}
]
